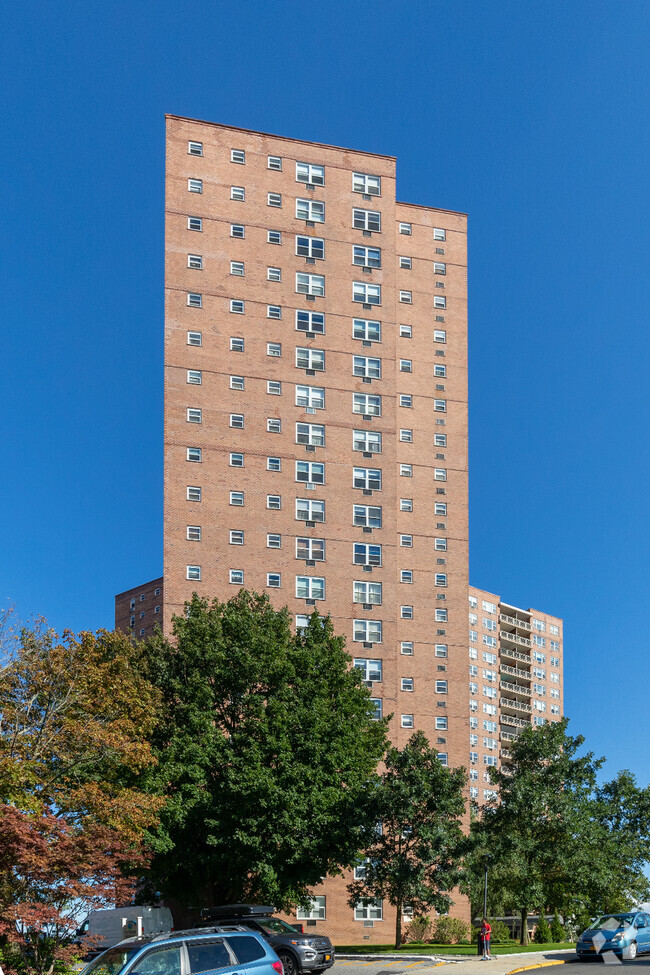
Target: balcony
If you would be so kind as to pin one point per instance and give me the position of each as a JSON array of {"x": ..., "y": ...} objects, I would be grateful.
[
  {"x": 506, "y": 754},
  {"x": 508, "y": 736},
  {"x": 508, "y": 702},
  {"x": 515, "y": 672},
  {"x": 506, "y": 685},
  {"x": 513, "y": 621},
  {"x": 509, "y": 652},
  {"x": 509, "y": 719},
  {"x": 523, "y": 641}
]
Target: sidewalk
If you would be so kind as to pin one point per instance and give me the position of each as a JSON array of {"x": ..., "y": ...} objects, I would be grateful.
[{"x": 500, "y": 963}]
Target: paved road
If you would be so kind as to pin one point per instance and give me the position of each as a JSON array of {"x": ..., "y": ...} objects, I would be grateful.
[
  {"x": 471, "y": 965},
  {"x": 379, "y": 967}
]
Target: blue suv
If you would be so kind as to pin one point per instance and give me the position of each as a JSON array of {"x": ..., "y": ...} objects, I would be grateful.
[
  {"x": 625, "y": 934},
  {"x": 226, "y": 949}
]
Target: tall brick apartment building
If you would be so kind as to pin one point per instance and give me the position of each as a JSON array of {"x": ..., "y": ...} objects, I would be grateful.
[{"x": 316, "y": 420}]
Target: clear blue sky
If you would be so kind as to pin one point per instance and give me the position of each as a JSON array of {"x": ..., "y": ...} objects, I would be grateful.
[{"x": 531, "y": 116}]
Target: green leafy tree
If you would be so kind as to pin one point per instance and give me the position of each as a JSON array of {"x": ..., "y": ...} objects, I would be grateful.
[
  {"x": 557, "y": 931},
  {"x": 267, "y": 754},
  {"x": 414, "y": 859},
  {"x": 542, "y": 932}
]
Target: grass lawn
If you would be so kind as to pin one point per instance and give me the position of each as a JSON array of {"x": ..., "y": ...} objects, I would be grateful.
[{"x": 428, "y": 949}]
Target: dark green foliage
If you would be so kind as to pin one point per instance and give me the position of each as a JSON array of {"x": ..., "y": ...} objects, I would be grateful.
[
  {"x": 267, "y": 754},
  {"x": 557, "y": 931},
  {"x": 449, "y": 930},
  {"x": 542, "y": 932},
  {"x": 500, "y": 933},
  {"x": 415, "y": 858}
]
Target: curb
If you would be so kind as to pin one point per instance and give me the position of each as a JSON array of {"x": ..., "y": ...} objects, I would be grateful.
[
  {"x": 403, "y": 957},
  {"x": 541, "y": 964}
]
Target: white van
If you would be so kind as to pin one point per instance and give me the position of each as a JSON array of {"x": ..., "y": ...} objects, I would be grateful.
[{"x": 110, "y": 926}]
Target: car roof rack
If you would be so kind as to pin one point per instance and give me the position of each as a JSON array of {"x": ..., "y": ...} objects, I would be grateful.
[
  {"x": 195, "y": 932},
  {"x": 237, "y": 910}
]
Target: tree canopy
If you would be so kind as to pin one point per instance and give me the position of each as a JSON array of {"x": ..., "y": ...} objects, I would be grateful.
[{"x": 267, "y": 753}]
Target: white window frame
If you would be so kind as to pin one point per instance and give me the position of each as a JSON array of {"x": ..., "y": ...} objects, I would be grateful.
[
  {"x": 310, "y": 397},
  {"x": 366, "y": 404},
  {"x": 366, "y": 330},
  {"x": 310, "y": 284},
  {"x": 366, "y": 631},
  {"x": 312, "y": 211},
  {"x": 365, "y": 293},
  {"x": 314, "y": 508},
  {"x": 310, "y": 587},
  {"x": 313, "y": 320},
  {"x": 367, "y": 184},
  {"x": 310, "y": 173},
  {"x": 366, "y": 220}
]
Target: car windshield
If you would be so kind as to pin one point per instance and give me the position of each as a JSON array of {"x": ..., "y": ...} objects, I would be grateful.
[
  {"x": 610, "y": 922},
  {"x": 275, "y": 926},
  {"x": 112, "y": 961}
]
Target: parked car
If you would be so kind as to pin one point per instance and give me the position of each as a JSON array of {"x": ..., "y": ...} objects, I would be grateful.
[
  {"x": 110, "y": 926},
  {"x": 297, "y": 950},
  {"x": 625, "y": 934},
  {"x": 191, "y": 952}
]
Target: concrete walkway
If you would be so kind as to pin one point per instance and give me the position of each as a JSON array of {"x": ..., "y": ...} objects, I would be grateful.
[{"x": 413, "y": 964}]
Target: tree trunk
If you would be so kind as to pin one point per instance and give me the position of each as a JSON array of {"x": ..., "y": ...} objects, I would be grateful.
[
  {"x": 524, "y": 927},
  {"x": 398, "y": 925}
]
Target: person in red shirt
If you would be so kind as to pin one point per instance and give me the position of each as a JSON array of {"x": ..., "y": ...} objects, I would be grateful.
[{"x": 486, "y": 931}]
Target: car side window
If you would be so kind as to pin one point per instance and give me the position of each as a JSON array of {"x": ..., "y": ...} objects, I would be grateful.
[
  {"x": 162, "y": 961},
  {"x": 207, "y": 956},
  {"x": 247, "y": 949}
]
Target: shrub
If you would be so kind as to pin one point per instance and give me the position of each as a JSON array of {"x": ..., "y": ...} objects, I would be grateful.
[
  {"x": 418, "y": 930},
  {"x": 542, "y": 932},
  {"x": 500, "y": 933},
  {"x": 449, "y": 930},
  {"x": 557, "y": 931}
]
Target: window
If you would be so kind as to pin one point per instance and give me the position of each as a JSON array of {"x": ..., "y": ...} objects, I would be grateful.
[
  {"x": 315, "y": 912},
  {"x": 439, "y": 474},
  {"x": 237, "y": 420},
  {"x": 406, "y": 504},
  {"x": 273, "y": 580},
  {"x": 195, "y": 148},
  {"x": 236, "y": 576},
  {"x": 195, "y": 223},
  {"x": 406, "y": 684},
  {"x": 194, "y": 415},
  {"x": 439, "y": 301},
  {"x": 274, "y": 541},
  {"x": 310, "y": 472},
  {"x": 439, "y": 233},
  {"x": 406, "y": 647},
  {"x": 405, "y": 365},
  {"x": 489, "y": 624},
  {"x": 237, "y": 498},
  {"x": 193, "y": 573},
  {"x": 440, "y": 544},
  {"x": 406, "y": 263},
  {"x": 274, "y": 162},
  {"x": 273, "y": 387},
  {"x": 369, "y": 479},
  {"x": 273, "y": 502},
  {"x": 367, "y": 367},
  {"x": 237, "y": 230},
  {"x": 366, "y": 404},
  {"x": 310, "y": 173},
  {"x": 439, "y": 268},
  {"x": 195, "y": 185},
  {"x": 273, "y": 237},
  {"x": 194, "y": 377},
  {"x": 236, "y": 306},
  {"x": 310, "y": 549},
  {"x": 366, "y": 256},
  {"x": 440, "y": 405},
  {"x": 193, "y": 493},
  {"x": 195, "y": 338},
  {"x": 274, "y": 199},
  {"x": 310, "y": 284},
  {"x": 195, "y": 261},
  {"x": 441, "y": 687},
  {"x": 312, "y": 397},
  {"x": 363, "y": 183},
  {"x": 366, "y": 516},
  {"x": 236, "y": 382},
  {"x": 194, "y": 300},
  {"x": 406, "y": 470},
  {"x": 440, "y": 372},
  {"x": 440, "y": 439},
  {"x": 554, "y": 630},
  {"x": 406, "y": 541},
  {"x": 312, "y": 210},
  {"x": 194, "y": 454},
  {"x": 370, "y": 669},
  {"x": 366, "y": 592},
  {"x": 366, "y": 631},
  {"x": 310, "y": 587},
  {"x": 441, "y": 615},
  {"x": 273, "y": 464},
  {"x": 274, "y": 349},
  {"x": 369, "y": 294},
  {"x": 366, "y": 554},
  {"x": 439, "y": 335},
  {"x": 366, "y": 331},
  {"x": 406, "y": 297},
  {"x": 310, "y": 433},
  {"x": 312, "y": 247},
  {"x": 273, "y": 425},
  {"x": 441, "y": 579},
  {"x": 308, "y": 510},
  {"x": 367, "y": 441},
  {"x": 236, "y": 460},
  {"x": 407, "y": 721},
  {"x": 273, "y": 274},
  {"x": 405, "y": 332},
  {"x": 310, "y": 321},
  {"x": 366, "y": 220},
  {"x": 237, "y": 193},
  {"x": 405, "y": 228},
  {"x": 406, "y": 436},
  {"x": 406, "y": 400},
  {"x": 406, "y": 576},
  {"x": 373, "y": 910},
  {"x": 236, "y": 538},
  {"x": 194, "y": 533},
  {"x": 406, "y": 612}
]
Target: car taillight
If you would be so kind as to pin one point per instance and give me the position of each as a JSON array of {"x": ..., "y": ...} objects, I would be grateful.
[
  {"x": 277, "y": 967},
  {"x": 300, "y": 928}
]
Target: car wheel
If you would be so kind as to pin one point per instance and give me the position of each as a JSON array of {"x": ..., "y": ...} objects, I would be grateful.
[
  {"x": 630, "y": 951},
  {"x": 289, "y": 964}
]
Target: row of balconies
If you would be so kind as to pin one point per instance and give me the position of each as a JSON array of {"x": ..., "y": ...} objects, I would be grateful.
[
  {"x": 522, "y": 624},
  {"x": 515, "y": 638},
  {"x": 509, "y": 719},
  {"x": 507, "y": 685},
  {"x": 509, "y": 652},
  {"x": 523, "y": 674},
  {"x": 507, "y": 702}
]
